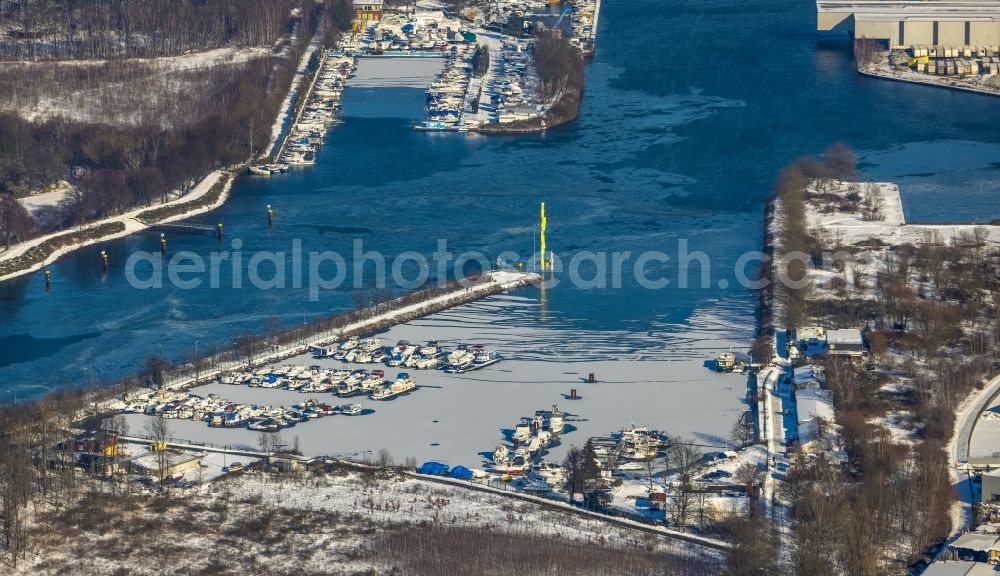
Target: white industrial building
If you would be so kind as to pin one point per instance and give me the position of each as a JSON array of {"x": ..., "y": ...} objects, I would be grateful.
[{"x": 907, "y": 23}]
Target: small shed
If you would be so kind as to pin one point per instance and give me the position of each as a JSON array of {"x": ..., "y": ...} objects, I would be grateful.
[
  {"x": 287, "y": 463},
  {"x": 174, "y": 463},
  {"x": 847, "y": 342}
]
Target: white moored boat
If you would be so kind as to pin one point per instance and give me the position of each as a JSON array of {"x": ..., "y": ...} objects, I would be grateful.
[
  {"x": 351, "y": 409},
  {"x": 401, "y": 385}
]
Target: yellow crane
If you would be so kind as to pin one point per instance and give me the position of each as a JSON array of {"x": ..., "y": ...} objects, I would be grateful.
[
  {"x": 919, "y": 59},
  {"x": 542, "y": 241}
]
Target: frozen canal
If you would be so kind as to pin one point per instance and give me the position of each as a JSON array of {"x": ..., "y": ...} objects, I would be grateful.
[{"x": 455, "y": 417}]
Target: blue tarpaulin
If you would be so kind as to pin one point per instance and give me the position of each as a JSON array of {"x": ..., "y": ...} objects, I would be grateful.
[
  {"x": 433, "y": 468},
  {"x": 461, "y": 472}
]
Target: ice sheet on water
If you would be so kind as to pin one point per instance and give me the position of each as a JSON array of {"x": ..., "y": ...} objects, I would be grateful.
[{"x": 396, "y": 72}]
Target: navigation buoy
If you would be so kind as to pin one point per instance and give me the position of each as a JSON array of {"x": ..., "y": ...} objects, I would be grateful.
[
  {"x": 163, "y": 243},
  {"x": 218, "y": 230},
  {"x": 104, "y": 260},
  {"x": 270, "y": 215},
  {"x": 48, "y": 279}
]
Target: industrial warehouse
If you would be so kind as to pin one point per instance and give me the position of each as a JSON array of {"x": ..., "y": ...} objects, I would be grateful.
[
  {"x": 905, "y": 24},
  {"x": 946, "y": 43}
]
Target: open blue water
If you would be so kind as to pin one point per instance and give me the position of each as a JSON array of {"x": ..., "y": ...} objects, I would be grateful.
[{"x": 690, "y": 111}]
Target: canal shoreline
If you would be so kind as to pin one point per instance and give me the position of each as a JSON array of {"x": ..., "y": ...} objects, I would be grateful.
[
  {"x": 132, "y": 221},
  {"x": 911, "y": 77},
  {"x": 124, "y": 225},
  {"x": 105, "y": 399},
  {"x": 564, "y": 110}
]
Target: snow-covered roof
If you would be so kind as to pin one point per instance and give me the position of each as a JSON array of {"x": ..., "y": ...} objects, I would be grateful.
[
  {"x": 975, "y": 541},
  {"x": 844, "y": 336},
  {"x": 956, "y": 568},
  {"x": 806, "y": 373},
  {"x": 811, "y": 333},
  {"x": 151, "y": 460},
  {"x": 814, "y": 404}
]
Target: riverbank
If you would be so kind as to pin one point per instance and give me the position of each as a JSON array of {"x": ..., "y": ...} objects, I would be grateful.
[
  {"x": 37, "y": 253},
  {"x": 561, "y": 68},
  {"x": 968, "y": 84},
  {"x": 207, "y": 195},
  {"x": 565, "y": 110}
]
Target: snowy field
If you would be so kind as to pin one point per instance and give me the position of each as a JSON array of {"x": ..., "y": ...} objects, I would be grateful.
[
  {"x": 349, "y": 523},
  {"x": 152, "y": 86},
  {"x": 892, "y": 228},
  {"x": 455, "y": 418}
]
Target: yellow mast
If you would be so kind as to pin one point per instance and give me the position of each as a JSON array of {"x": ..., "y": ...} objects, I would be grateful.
[{"x": 543, "y": 236}]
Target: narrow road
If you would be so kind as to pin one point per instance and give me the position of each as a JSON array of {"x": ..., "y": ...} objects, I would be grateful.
[{"x": 966, "y": 417}]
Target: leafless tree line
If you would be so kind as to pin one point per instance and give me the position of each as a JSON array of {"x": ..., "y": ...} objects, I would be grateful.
[
  {"x": 454, "y": 550},
  {"x": 102, "y": 29},
  {"x": 37, "y": 466},
  {"x": 838, "y": 162},
  {"x": 15, "y": 222},
  {"x": 119, "y": 167}
]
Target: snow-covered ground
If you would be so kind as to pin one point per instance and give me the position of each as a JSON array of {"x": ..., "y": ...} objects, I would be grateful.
[
  {"x": 46, "y": 199},
  {"x": 159, "y": 83},
  {"x": 330, "y": 524},
  {"x": 972, "y": 83},
  {"x": 892, "y": 227},
  {"x": 455, "y": 417},
  {"x": 132, "y": 224}
]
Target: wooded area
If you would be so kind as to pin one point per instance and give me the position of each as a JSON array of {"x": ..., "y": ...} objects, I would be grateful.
[
  {"x": 936, "y": 305},
  {"x": 103, "y": 29},
  {"x": 143, "y": 128}
]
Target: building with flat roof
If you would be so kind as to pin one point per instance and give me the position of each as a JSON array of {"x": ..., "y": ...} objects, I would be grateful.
[
  {"x": 991, "y": 486},
  {"x": 366, "y": 12},
  {"x": 907, "y": 23},
  {"x": 174, "y": 463},
  {"x": 976, "y": 546},
  {"x": 958, "y": 568},
  {"x": 815, "y": 412},
  {"x": 845, "y": 342}
]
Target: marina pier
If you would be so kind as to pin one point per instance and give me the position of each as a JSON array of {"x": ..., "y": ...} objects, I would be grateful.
[{"x": 364, "y": 321}]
